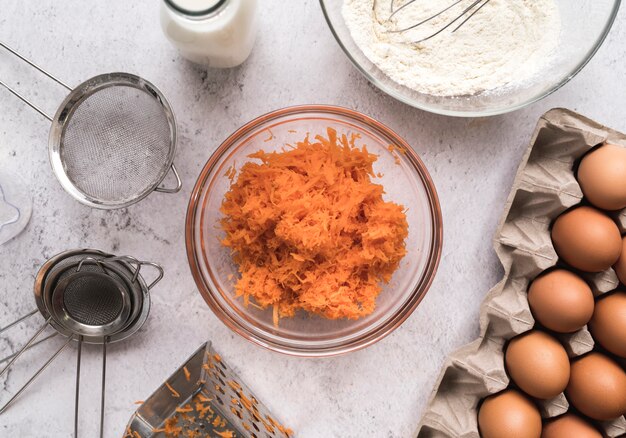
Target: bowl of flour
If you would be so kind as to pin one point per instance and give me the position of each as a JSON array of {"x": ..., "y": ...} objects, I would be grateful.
[{"x": 508, "y": 54}]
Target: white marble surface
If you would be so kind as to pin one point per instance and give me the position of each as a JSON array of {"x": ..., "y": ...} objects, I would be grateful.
[{"x": 377, "y": 392}]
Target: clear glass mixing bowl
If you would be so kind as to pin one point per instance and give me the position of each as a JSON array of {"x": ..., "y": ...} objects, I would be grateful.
[
  {"x": 585, "y": 25},
  {"x": 406, "y": 181}
]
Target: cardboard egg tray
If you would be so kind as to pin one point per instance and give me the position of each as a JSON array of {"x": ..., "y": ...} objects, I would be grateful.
[{"x": 544, "y": 187}]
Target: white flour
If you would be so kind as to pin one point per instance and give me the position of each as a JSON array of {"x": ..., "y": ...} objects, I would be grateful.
[{"x": 506, "y": 43}]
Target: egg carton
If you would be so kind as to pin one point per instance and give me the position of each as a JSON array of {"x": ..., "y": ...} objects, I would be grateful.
[{"x": 544, "y": 187}]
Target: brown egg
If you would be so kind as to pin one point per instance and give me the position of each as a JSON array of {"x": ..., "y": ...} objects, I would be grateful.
[
  {"x": 587, "y": 239},
  {"x": 608, "y": 325},
  {"x": 597, "y": 387},
  {"x": 620, "y": 266},
  {"x": 509, "y": 414},
  {"x": 569, "y": 426},
  {"x": 538, "y": 364},
  {"x": 561, "y": 301},
  {"x": 602, "y": 177}
]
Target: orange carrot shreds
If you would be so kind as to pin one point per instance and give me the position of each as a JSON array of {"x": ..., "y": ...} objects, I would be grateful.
[
  {"x": 172, "y": 429},
  {"x": 187, "y": 374},
  {"x": 217, "y": 357},
  {"x": 203, "y": 410},
  {"x": 129, "y": 433},
  {"x": 234, "y": 385},
  {"x": 226, "y": 434},
  {"x": 139, "y": 402},
  {"x": 309, "y": 230},
  {"x": 204, "y": 399},
  {"x": 218, "y": 422},
  {"x": 184, "y": 409},
  {"x": 175, "y": 393}
]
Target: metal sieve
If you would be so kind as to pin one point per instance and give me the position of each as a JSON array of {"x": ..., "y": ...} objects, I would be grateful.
[
  {"x": 112, "y": 140},
  {"x": 87, "y": 296}
]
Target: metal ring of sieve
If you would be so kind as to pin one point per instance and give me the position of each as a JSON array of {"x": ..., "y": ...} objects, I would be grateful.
[
  {"x": 91, "y": 262},
  {"x": 91, "y": 304},
  {"x": 112, "y": 141},
  {"x": 52, "y": 270}
]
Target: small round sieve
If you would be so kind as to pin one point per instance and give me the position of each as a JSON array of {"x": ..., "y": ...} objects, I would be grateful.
[
  {"x": 89, "y": 303},
  {"x": 51, "y": 275},
  {"x": 90, "y": 297},
  {"x": 112, "y": 140}
]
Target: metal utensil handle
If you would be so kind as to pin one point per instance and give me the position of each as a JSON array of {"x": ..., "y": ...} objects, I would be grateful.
[
  {"x": 78, "y": 357},
  {"x": 138, "y": 264},
  {"x": 104, "y": 372},
  {"x": 32, "y": 379},
  {"x": 32, "y": 64},
  {"x": 179, "y": 183},
  {"x": 91, "y": 259},
  {"x": 18, "y": 320},
  {"x": 11, "y": 356},
  {"x": 25, "y": 347}
]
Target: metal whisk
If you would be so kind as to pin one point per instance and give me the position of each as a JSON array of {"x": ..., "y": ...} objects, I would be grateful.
[
  {"x": 87, "y": 296},
  {"x": 465, "y": 10}
]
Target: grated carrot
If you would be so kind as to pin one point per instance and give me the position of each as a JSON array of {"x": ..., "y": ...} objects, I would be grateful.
[
  {"x": 309, "y": 230},
  {"x": 172, "y": 390},
  {"x": 185, "y": 409},
  {"x": 187, "y": 374}
]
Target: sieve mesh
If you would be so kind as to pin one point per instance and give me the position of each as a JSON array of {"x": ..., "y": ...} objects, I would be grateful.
[
  {"x": 93, "y": 300},
  {"x": 116, "y": 146}
]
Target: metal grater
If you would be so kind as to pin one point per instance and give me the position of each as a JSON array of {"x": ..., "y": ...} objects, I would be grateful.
[{"x": 231, "y": 410}]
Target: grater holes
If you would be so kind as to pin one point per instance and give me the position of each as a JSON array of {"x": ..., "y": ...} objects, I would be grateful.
[
  {"x": 256, "y": 427},
  {"x": 237, "y": 412},
  {"x": 217, "y": 397}
]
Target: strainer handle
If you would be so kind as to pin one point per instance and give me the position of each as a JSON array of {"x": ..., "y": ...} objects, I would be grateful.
[
  {"x": 179, "y": 183},
  {"x": 32, "y": 64},
  {"x": 138, "y": 264}
]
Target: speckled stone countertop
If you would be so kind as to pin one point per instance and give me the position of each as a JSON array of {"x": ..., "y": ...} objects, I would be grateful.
[{"x": 377, "y": 392}]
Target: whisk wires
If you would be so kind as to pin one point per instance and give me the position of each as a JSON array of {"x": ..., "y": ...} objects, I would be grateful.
[{"x": 472, "y": 9}]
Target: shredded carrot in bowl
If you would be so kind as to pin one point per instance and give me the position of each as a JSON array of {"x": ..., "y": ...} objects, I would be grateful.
[{"x": 309, "y": 230}]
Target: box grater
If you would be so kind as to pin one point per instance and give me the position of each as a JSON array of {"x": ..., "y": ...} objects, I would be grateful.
[{"x": 204, "y": 398}]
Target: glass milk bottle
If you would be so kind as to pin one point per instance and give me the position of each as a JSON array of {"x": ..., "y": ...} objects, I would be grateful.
[{"x": 215, "y": 33}]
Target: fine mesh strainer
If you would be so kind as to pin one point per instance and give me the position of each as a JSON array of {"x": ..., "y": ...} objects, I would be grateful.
[
  {"x": 87, "y": 296},
  {"x": 112, "y": 140}
]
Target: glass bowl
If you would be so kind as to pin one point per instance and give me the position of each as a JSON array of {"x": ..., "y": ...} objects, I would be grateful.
[
  {"x": 406, "y": 181},
  {"x": 585, "y": 25}
]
